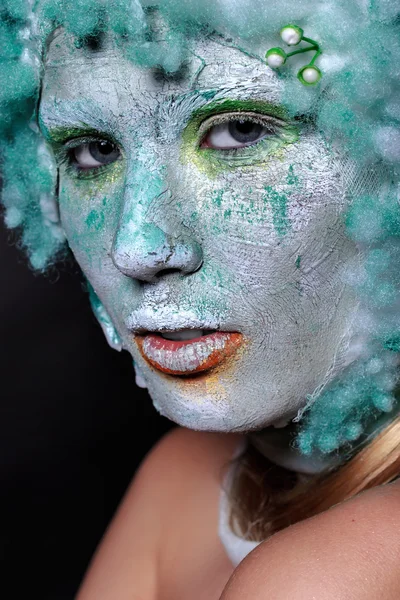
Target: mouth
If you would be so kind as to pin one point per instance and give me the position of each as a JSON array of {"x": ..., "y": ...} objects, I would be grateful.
[{"x": 188, "y": 351}]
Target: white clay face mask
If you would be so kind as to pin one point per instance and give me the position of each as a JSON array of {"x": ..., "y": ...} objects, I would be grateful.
[{"x": 210, "y": 227}]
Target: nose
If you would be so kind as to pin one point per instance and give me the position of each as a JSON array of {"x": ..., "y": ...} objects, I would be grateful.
[{"x": 141, "y": 248}]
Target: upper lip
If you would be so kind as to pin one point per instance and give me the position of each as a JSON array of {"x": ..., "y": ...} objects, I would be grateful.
[
  {"x": 143, "y": 321},
  {"x": 169, "y": 330}
]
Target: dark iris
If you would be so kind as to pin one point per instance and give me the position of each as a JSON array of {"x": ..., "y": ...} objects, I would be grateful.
[
  {"x": 104, "y": 152},
  {"x": 245, "y": 132}
]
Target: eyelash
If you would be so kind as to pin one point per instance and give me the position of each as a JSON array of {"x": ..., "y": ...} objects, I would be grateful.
[
  {"x": 72, "y": 169},
  {"x": 65, "y": 157},
  {"x": 270, "y": 123}
]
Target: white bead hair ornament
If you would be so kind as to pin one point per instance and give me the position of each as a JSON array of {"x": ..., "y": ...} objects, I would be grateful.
[
  {"x": 276, "y": 57},
  {"x": 309, "y": 75},
  {"x": 292, "y": 36}
]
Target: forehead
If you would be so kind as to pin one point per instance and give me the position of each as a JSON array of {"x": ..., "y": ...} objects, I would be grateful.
[{"x": 212, "y": 69}]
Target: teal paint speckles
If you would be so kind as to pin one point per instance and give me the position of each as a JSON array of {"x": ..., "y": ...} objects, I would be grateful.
[
  {"x": 212, "y": 277},
  {"x": 153, "y": 237},
  {"x": 292, "y": 178},
  {"x": 279, "y": 204},
  {"x": 208, "y": 94},
  {"x": 217, "y": 197},
  {"x": 298, "y": 262},
  {"x": 95, "y": 220},
  {"x": 140, "y": 199}
]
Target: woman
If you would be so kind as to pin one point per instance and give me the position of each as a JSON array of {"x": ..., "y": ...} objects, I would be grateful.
[{"x": 237, "y": 221}]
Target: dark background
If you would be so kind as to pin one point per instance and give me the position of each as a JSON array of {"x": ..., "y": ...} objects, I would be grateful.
[{"x": 73, "y": 429}]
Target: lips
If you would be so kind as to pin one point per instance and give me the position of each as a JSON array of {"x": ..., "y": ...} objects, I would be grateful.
[{"x": 188, "y": 352}]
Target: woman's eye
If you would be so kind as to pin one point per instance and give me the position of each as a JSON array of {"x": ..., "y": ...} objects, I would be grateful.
[
  {"x": 234, "y": 134},
  {"x": 94, "y": 154}
]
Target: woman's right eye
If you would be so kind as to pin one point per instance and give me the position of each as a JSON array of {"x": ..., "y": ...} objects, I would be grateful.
[
  {"x": 93, "y": 155},
  {"x": 237, "y": 133},
  {"x": 236, "y": 130}
]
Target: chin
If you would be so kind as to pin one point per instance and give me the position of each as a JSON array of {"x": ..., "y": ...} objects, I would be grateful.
[
  {"x": 218, "y": 411},
  {"x": 230, "y": 398}
]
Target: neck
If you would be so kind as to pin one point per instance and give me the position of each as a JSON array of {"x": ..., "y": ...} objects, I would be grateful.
[{"x": 278, "y": 446}]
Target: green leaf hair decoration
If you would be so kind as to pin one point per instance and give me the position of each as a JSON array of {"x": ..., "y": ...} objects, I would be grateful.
[{"x": 292, "y": 36}]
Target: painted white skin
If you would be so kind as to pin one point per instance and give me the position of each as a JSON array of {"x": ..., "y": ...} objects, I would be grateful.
[{"x": 257, "y": 243}]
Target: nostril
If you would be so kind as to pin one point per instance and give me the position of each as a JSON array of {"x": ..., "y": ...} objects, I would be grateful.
[
  {"x": 199, "y": 265},
  {"x": 167, "y": 272}
]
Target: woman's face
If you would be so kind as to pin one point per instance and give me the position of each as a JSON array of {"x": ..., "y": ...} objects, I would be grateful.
[{"x": 208, "y": 224}]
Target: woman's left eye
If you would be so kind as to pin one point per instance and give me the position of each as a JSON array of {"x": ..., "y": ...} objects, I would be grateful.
[
  {"x": 94, "y": 154},
  {"x": 237, "y": 133}
]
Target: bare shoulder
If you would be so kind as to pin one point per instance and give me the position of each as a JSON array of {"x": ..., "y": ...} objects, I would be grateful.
[
  {"x": 169, "y": 514},
  {"x": 351, "y": 551}
]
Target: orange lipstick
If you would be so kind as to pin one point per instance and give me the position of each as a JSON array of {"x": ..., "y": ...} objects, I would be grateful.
[{"x": 188, "y": 357}]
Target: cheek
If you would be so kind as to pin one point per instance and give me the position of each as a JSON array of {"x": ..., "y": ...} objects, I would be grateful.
[
  {"x": 275, "y": 231},
  {"x": 270, "y": 208},
  {"x": 89, "y": 215}
]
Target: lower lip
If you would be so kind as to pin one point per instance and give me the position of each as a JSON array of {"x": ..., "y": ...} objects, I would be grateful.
[{"x": 188, "y": 357}]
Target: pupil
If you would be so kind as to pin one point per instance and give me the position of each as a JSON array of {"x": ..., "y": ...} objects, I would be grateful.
[
  {"x": 104, "y": 152},
  {"x": 244, "y": 126},
  {"x": 245, "y": 132},
  {"x": 105, "y": 147}
]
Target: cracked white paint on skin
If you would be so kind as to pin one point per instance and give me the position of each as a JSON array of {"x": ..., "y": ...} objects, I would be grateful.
[
  {"x": 284, "y": 291},
  {"x": 159, "y": 316}
]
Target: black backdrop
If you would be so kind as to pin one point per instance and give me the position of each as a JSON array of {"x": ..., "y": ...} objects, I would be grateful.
[{"x": 73, "y": 429}]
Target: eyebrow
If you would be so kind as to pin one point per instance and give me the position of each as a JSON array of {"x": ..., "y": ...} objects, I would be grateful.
[
  {"x": 62, "y": 116},
  {"x": 67, "y": 119}
]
